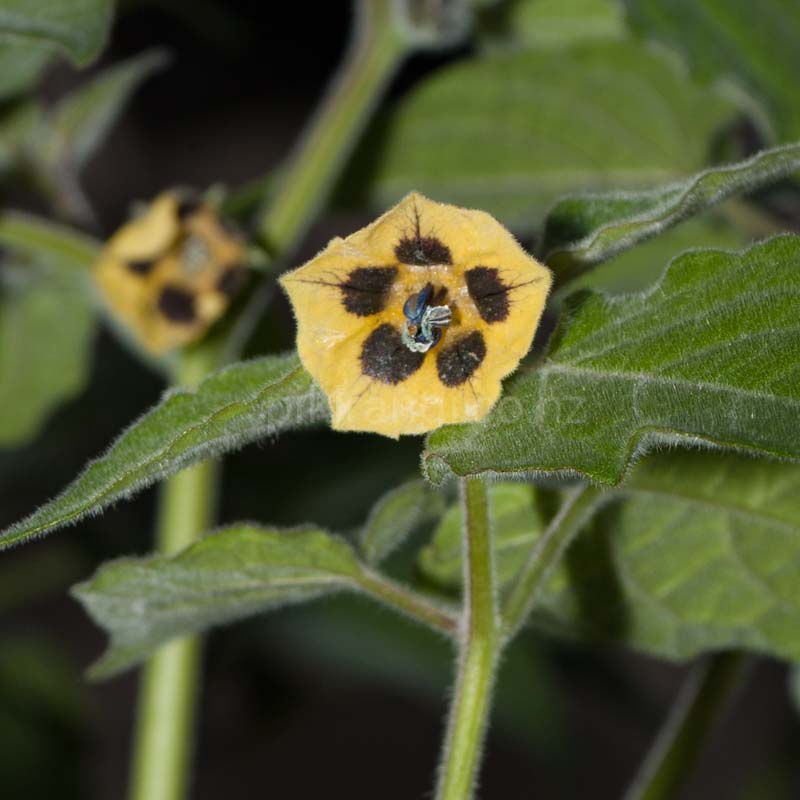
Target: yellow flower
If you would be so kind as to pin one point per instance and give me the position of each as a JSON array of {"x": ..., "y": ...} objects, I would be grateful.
[
  {"x": 413, "y": 321},
  {"x": 171, "y": 272}
]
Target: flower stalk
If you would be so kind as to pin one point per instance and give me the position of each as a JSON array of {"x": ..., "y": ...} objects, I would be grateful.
[
  {"x": 702, "y": 700},
  {"x": 376, "y": 50},
  {"x": 479, "y": 648},
  {"x": 170, "y": 680}
]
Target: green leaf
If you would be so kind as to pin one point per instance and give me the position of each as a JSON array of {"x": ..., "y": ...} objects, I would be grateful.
[
  {"x": 228, "y": 575},
  {"x": 21, "y": 64},
  {"x": 585, "y": 230},
  {"x": 19, "y": 126},
  {"x": 236, "y": 405},
  {"x": 234, "y": 573},
  {"x": 513, "y": 131},
  {"x": 517, "y": 521},
  {"x": 640, "y": 267},
  {"x": 81, "y": 121},
  {"x": 395, "y": 516},
  {"x": 757, "y": 43},
  {"x": 47, "y": 325},
  {"x": 44, "y": 240},
  {"x": 698, "y": 552},
  {"x": 704, "y": 556},
  {"x": 544, "y": 24},
  {"x": 79, "y": 27},
  {"x": 708, "y": 356}
]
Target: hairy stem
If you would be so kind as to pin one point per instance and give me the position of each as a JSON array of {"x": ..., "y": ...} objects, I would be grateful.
[
  {"x": 679, "y": 744},
  {"x": 478, "y": 652},
  {"x": 376, "y": 50},
  {"x": 169, "y": 683},
  {"x": 409, "y": 602},
  {"x": 580, "y": 504}
]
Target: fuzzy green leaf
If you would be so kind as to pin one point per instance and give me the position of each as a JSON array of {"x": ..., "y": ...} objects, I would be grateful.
[
  {"x": 394, "y": 518},
  {"x": 513, "y": 131},
  {"x": 228, "y": 575},
  {"x": 585, "y": 230},
  {"x": 700, "y": 551},
  {"x": 757, "y": 43},
  {"x": 705, "y": 555},
  {"x": 47, "y": 324},
  {"x": 79, "y": 27},
  {"x": 81, "y": 121},
  {"x": 239, "y": 404},
  {"x": 710, "y": 356}
]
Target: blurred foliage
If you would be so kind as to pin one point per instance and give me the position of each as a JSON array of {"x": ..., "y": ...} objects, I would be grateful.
[
  {"x": 637, "y": 269},
  {"x": 33, "y": 32},
  {"x": 752, "y": 43},
  {"x": 369, "y": 645},
  {"x": 42, "y": 722},
  {"x": 46, "y": 329},
  {"x": 544, "y": 24},
  {"x": 511, "y": 131}
]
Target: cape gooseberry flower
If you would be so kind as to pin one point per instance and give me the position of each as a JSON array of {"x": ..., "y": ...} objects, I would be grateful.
[
  {"x": 171, "y": 272},
  {"x": 412, "y": 322}
]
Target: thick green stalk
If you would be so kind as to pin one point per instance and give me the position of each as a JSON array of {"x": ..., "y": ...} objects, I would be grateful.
[
  {"x": 576, "y": 509},
  {"x": 478, "y": 652},
  {"x": 679, "y": 744},
  {"x": 169, "y": 683},
  {"x": 376, "y": 50}
]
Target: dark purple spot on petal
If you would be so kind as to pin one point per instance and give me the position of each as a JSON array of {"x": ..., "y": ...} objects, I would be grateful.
[
  {"x": 422, "y": 251},
  {"x": 457, "y": 363},
  {"x": 231, "y": 281},
  {"x": 366, "y": 289},
  {"x": 385, "y": 357},
  {"x": 188, "y": 206},
  {"x": 176, "y": 304},
  {"x": 488, "y": 292},
  {"x": 141, "y": 266}
]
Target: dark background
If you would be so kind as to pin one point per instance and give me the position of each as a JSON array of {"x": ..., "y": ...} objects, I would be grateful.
[{"x": 336, "y": 699}]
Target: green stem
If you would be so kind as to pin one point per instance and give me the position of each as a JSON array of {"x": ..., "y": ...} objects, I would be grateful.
[
  {"x": 376, "y": 50},
  {"x": 408, "y": 602},
  {"x": 679, "y": 744},
  {"x": 169, "y": 683},
  {"x": 478, "y": 651},
  {"x": 576, "y": 509}
]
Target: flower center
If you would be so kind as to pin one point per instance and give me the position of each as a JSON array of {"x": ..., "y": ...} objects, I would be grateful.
[{"x": 424, "y": 322}]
